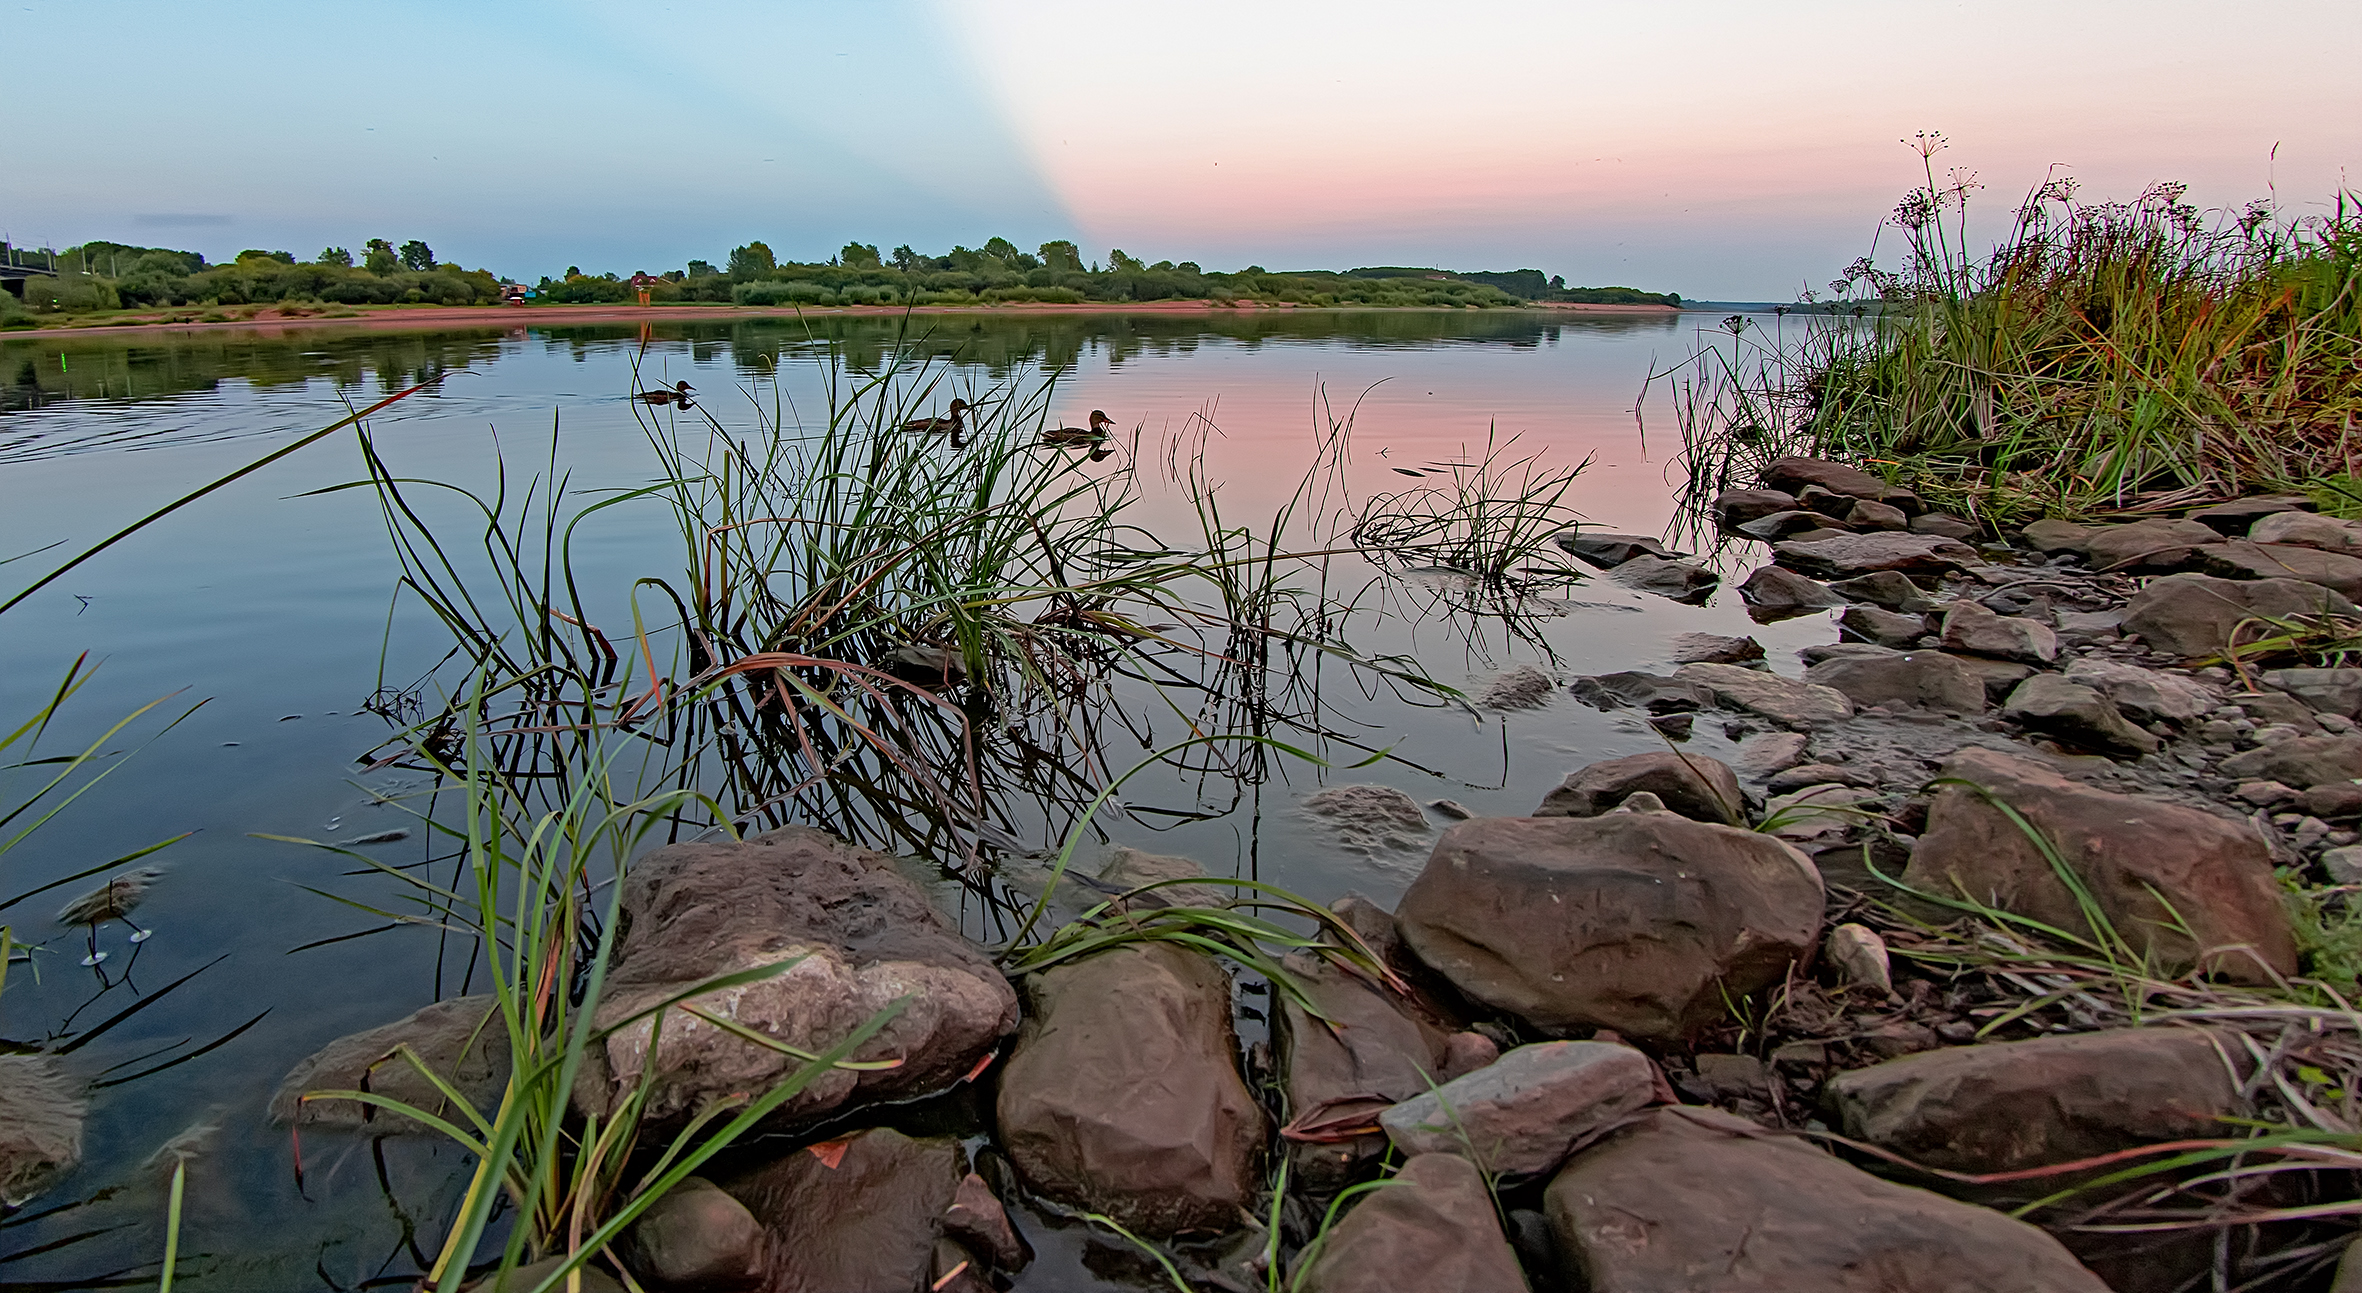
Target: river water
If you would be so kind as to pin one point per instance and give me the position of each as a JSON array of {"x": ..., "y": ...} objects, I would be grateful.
[{"x": 265, "y": 614}]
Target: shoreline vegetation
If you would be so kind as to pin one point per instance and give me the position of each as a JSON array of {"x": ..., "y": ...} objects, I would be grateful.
[
  {"x": 105, "y": 284},
  {"x": 2103, "y": 357}
]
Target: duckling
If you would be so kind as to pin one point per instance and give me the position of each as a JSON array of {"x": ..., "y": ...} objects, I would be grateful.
[
  {"x": 114, "y": 900},
  {"x": 660, "y": 397},
  {"x": 956, "y": 424}
]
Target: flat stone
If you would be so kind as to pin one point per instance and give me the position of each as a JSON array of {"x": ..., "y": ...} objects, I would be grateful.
[
  {"x": 2326, "y": 691},
  {"x": 2089, "y": 626},
  {"x": 1998, "y": 677},
  {"x": 2277, "y": 709},
  {"x": 1828, "y": 503},
  {"x": 1369, "y": 819},
  {"x": 2240, "y": 559},
  {"x": 1700, "y": 1201},
  {"x": 1775, "y": 594},
  {"x": 1608, "y": 551},
  {"x": 1794, "y": 474},
  {"x": 1524, "y": 1113},
  {"x": 2343, "y": 865},
  {"x": 1123, "y": 1095},
  {"x": 1820, "y": 651},
  {"x": 2058, "y": 536},
  {"x": 1433, "y": 1225},
  {"x": 1783, "y": 700},
  {"x": 2304, "y": 762},
  {"x": 1886, "y": 588},
  {"x": 860, "y": 936},
  {"x": 462, "y": 1040},
  {"x": 2193, "y": 615},
  {"x": 1733, "y": 508},
  {"x": 1945, "y": 526},
  {"x": 2144, "y": 695},
  {"x": 1370, "y": 1051},
  {"x": 2239, "y": 515},
  {"x": 695, "y": 1236},
  {"x": 1886, "y": 628},
  {"x": 1861, "y": 554},
  {"x": 1714, "y": 648},
  {"x": 1646, "y": 923},
  {"x": 1868, "y": 514},
  {"x": 1648, "y": 691},
  {"x": 1804, "y": 775},
  {"x": 2008, "y": 1106},
  {"x": 865, "y": 1223},
  {"x": 2076, "y": 714},
  {"x": 2335, "y": 799},
  {"x": 1973, "y": 629},
  {"x": 1781, "y": 525},
  {"x": 2151, "y": 866},
  {"x": 1766, "y": 753},
  {"x": 42, "y": 1108},
  {"x": 2263, "y": 794},
  {"x": 1816, "y": 811},
  {"x": 1524, "y": 687},
  {"x": 1680, "y": 581},
  {"x": 1915, "y": 679},
  {"x": 1692, "y": 785},
  {"x": 1129, "y": 868},
  {"x": 2156, "y": 544},
  {"x": 2305, "y": 530}
]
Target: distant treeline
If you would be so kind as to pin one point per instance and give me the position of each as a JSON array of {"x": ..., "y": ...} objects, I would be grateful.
[
  {"x": 113, "y": 275},
  {"x": 110, "y": 275}
]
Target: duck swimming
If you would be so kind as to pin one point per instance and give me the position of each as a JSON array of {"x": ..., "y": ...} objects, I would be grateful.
[
  {"x": 1075, "y": 437},
  {"x": 679, "y": 394},
  {"x": 956, "y": 424}
]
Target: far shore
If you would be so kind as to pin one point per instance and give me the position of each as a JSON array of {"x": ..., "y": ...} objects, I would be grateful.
[{"x": 271, "y": 319}]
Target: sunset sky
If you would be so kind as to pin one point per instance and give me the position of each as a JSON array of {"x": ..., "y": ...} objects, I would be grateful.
[{"x": 1715, "y": 149}]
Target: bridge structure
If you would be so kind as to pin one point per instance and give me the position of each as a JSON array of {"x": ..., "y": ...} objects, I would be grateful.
[{"x": 17, "y": 266}]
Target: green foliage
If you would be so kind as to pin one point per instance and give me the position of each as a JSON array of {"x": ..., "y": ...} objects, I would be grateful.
[
  {"x": 855, "y": 255},
  {"x": 253, "y": 253},
  {"x": 380, "y": 258},
  {"x": 1524, "y": 284},
  {"x": 1059, "y": 257},
  {"x": 750, "y": 261},
  {"x": 336, "y": 256},
  {"x": 417, "y": 257}
]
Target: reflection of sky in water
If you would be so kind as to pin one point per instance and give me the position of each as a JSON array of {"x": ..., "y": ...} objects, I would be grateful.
[{"x": 274, "y": 606}]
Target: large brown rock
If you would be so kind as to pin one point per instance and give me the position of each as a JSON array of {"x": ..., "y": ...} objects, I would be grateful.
[
  {"x": 2305, "y": 762},
  {"x": 1973, "y": 629},
  {"x": 41, "y": 1112},
  {"x": 463, "y": 1040},
  {"x": 1646, "y": 923},
  {"x": 862, "y": 1220},
  {"x": 1699, "y": 1201},
  {"x": 1916, "y": 679},
  {"x": 2137, "y": 857},
  {"x": 1774, "y": 594},
  {"x": 2193, "y": 615},
  {"x": 1522, "y": 1113},
  {"x": 2012, "y": 1105},
  {"x": 1735, "y": 507},
  {"x": 2077, "y": 715},
  {"x": 2305, "y": 530},
  {"x": 1783, "y": 700},
  {"x": 1846, "y": 555},
  {"x": 862, "y": 938},
  {"x": 1372, "y": 1052},
  {"x": 697, "y": 1237},
  {"x": 1432, "y": 1228},
  {"x": 1123, "y": 1094},
  {"x": 1690, "y": 784},
  {"x": 2155, "y": 544},
  {"x": 2240, "y": 559},
  {"x": 1793, "y": 475}
]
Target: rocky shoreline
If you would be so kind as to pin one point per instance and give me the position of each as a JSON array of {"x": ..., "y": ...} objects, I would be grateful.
[{"x": 1676, "y": 1029}]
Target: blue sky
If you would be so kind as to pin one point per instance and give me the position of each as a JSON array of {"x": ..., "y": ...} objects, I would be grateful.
[{"x": 1714, "y": 148}]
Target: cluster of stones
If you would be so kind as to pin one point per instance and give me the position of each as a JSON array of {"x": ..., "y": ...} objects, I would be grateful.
[{"x": 1555, "y": 980}]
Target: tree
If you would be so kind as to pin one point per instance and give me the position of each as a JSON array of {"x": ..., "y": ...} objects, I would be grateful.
[
  {"x": 336, "y": 256},
  {"x": 857, "y": 255},
  {"x": 1119, "y": 263},
  {"x": 380, "y": 258},
  {"x": 1558, "y": 282},
  {"x": 1062, "y": 256},
  {"x": 702, "y": 269},
  {"x": 754, "y": 260},
  {"x": 908, "y": 261},
  {"x": 257, "y": 253},
  {"x": 417, "y": 257}
]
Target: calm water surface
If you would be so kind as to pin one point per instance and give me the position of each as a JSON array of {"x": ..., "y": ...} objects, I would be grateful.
[{"x": 270, "y": 604}]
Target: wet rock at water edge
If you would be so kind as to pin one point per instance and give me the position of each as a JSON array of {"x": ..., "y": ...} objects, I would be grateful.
[
  {"x": 1888, "y": 590},
  {"x": 1646, "y": 923},
  {"x": 1972, "y": 629},
  {"x": 1123, "y": 1094},
  {"x": 2144, "y": 695},
  {"x": 1692, "y": 785},
  {"x": 41, "y": 1111},
  {"x": 1433, "y": 1227},
  {"x": 1657, "y": 695},
  {"x": 1680, "y": 581},
  {"x": 2193, "y": 615},
  {"x": 1783, "y": 700},
  {"x": 463, "y": 1040},
  {"x": 1884, "y": 628},
  {"x": 1927, "y": 680},
  {"x": 2305, "y": 762},
  {"x": 1783, "y": 525},
  {"x": 1795, "y": 474},
  {"x": 1608, "y": 551},
  {"x": 695, "y": 1237},
  {"x": 2076, "y": 715},
  {"x": 1339, "y": 1075},
  {"x": 1698, "y": 1200},
  {"x": 977, "y": 1221},
  {"x": 1529, "y": 1109},
  {"x": 1714, "y": 648},
  {"x": 1805, "y": 775},
  {"x": 1524, "y": 687},
  {"x": 861, "y": 937},
  {"x": 853, "y": 1216},
  {"x": 1370, "y": 819},
  {"x": 2240, "y": 559},
  {"x": 1733, "y": 508},
  {"x": 2007, "y": 1106},
  {"x": 2154, "y": 868},
  {"x": 1775, "y": 594},
  {"x": 1130, "y": 869},
  {"x": 2153, "y": 545},
  {"x": 1861, "y": 554},
  {"x": 1768, "y": 753}
]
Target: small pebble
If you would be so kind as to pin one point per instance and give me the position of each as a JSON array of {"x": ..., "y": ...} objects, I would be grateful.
[{"x": 1452, "y": 808}]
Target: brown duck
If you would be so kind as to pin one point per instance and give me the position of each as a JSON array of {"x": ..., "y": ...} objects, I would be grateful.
[
  {"x": 956, "y": 424},
  {"x": 679, "y": 394}
]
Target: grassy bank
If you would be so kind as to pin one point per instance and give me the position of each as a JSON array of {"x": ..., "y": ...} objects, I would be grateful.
[{"x": 2102, "y": 356}]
